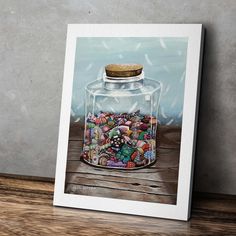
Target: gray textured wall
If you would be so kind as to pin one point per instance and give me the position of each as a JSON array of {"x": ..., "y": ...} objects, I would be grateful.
[{"x": 32, "y": 47}]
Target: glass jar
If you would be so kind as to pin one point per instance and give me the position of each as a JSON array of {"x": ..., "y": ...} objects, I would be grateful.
[{"x": 121, "y": 119}]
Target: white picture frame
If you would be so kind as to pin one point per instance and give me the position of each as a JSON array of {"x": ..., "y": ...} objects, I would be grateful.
[{"x": 180, "y": 211}]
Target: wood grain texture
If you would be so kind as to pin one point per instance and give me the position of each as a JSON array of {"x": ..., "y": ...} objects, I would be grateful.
[
  {"x": 26, "y": 209},
  {"x": 157, "y": 183}
]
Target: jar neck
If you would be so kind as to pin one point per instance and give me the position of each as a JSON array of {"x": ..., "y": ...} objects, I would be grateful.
[{"x": 124, "y": 83}]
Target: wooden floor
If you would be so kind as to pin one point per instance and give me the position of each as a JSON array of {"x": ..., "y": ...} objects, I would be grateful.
[
  {"x": 157, "y": 183},
  {"x": 26, "y": 209}
]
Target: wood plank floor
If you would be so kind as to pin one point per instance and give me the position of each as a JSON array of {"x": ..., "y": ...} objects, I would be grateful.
[
  {"x": 26, "y": 209},
  {"x": 157, "y": 183}
]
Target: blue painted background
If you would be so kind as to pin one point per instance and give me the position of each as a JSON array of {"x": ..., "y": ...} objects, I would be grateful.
[{"x": 164, "y": 59}]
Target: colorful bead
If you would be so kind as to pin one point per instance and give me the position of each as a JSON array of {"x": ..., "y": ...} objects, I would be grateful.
[
  {"x": 107, "y": 145},
  {"x": 111, "y": 163},
  {"x": 105, "y": 128},
  {"x": 150, "y": 155},
  {"x": 143, "y": 126},
  {"x": 128, "y": 122},
  {"x": 140, "y": 143},
  {"x": 141, "y": 135},
  {"x": 114, "y": 132},
  {"x": 130, "y": 164},
  {"x": 103, "y": 160},
  {"x": 90, "y": 125},
  {"x": 129, "y": 132},
  {"x": 117, "y": 142}
]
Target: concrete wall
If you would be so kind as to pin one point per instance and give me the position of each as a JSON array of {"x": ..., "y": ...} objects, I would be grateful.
[{"x": 32, "y": 47}]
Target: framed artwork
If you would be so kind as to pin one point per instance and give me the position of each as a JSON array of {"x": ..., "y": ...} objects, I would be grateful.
[{"x": 128, "y": 118}]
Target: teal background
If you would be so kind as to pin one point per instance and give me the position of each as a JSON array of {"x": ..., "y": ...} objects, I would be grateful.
[{"x": 164, "y": 59}]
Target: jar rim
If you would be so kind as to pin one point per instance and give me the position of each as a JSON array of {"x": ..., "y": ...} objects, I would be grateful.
[{"x": 99, "y": 90}]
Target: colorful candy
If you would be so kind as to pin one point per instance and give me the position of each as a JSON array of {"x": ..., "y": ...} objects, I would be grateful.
[{"x": 124, "y": 140}]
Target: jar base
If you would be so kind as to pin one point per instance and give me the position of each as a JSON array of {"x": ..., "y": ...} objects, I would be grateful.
[{"x": 119, "y": 168}]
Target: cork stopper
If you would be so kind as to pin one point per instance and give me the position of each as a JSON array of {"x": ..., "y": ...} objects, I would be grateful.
[{"x": 123, "y": 70}]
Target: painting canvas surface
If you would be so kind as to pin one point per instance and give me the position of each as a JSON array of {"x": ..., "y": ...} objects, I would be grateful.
[{"x": 163, "y": 60}]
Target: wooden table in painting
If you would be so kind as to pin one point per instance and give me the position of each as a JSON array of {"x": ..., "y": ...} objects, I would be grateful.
[{"x": 157, "y": 183}]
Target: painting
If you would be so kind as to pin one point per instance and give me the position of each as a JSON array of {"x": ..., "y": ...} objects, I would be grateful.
[{"x": 128, "y": 118}]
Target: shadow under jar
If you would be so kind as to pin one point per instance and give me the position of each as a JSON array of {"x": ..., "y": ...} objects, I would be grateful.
[{"x": 121, "y": 119}]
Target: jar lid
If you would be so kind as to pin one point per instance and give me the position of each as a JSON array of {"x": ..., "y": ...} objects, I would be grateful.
[{"x": 123, "y": 70}]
